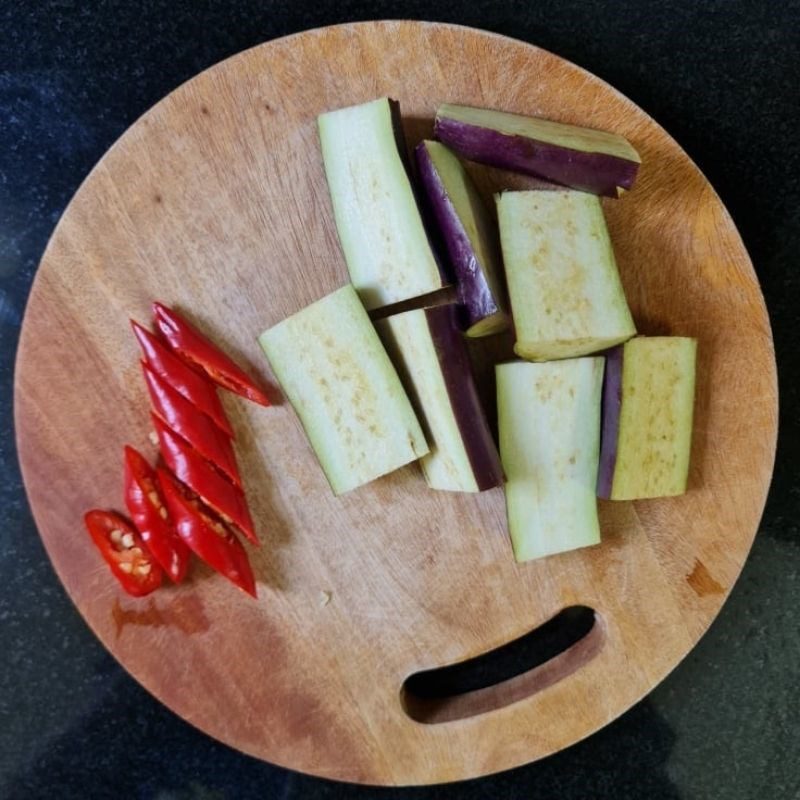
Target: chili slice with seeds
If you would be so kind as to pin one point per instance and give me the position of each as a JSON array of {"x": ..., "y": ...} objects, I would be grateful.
[
  {"x": 201, "y": 477},
  {"x": 150, "y": 515},
  {"x": 124, "y": 551},
  {"x": 209, "y": 539}
]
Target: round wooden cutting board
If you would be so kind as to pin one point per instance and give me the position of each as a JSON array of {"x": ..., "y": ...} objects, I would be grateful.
[{"x": 215, "y": 202}]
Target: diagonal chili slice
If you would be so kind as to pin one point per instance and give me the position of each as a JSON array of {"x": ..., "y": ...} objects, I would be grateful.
[
  {"x": 214, "y": 490},
  {"x": 195, "y": 348},
  {"x": 209, "y": 539},
  {"x": 193, "y": 385},
  {"x": 191, "y": 424},
  {"x": 124, "y": 551},
  {"x": 149, "y": 514}
]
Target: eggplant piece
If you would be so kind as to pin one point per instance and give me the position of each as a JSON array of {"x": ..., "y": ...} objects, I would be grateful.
[
  {"x": 549, "y": 427},
  {"x": 566, "y": 295},
  {"x": 340, "y": 381},
  {"x": 431, "y": 357},
  {"x": 380, "y": 226},
  {"x": 582, "y": 158},
  {"x": 648, "y": 406},
  {"x": 469, "y": 237}
]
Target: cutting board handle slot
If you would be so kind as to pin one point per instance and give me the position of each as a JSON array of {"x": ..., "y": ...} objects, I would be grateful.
[{"x": 512, "y": 672}]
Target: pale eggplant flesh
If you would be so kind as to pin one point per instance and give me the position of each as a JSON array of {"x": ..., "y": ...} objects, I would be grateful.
[
  {"x": 383, "y": 237},
  {"x": 549, "y": 430},
  {"x": 431, "y": 357},
  {"x": 336, "y": 374},
  {"x": 648, "y": 403},
  {"x": 566, "y": 294},
  {"x": 590, "y": 160},
  {"x": 469, "y": 238}
]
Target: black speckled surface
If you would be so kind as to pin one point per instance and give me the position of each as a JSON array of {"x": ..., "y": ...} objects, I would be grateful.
[{"x": 720, "y": 76}]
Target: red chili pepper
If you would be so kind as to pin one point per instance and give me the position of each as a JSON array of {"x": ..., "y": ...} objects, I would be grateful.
[
  {"x": 124, "y": 551},
  {"x": 210, "y": 539},
  {"x": 191, "y": 345},
  {"x": 213, "y": 489},
  {"x": 149, "y": 513},
  {"x": 193, "y": 385},
  {"x": 190, "y": 423}
]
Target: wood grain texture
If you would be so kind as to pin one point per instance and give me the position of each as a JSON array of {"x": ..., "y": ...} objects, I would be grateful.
[{"x": 215, "y": 201}]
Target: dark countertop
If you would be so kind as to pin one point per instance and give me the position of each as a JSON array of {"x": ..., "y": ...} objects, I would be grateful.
[{"x": 720, "y": 76}]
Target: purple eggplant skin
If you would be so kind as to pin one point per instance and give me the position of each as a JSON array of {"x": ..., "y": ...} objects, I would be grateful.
[
  {"x": 463, "y": 394},
  {"x": 475, "y": 296},
  {"x": 611, "y": 408},
  {"x": 598, "y": 173}
]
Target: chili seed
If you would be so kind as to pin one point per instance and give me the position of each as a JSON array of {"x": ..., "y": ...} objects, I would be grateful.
[
  {"x": 143, "y": 569},
  {"x": 162, "y": 512},
  {"x": 153, "y": 497},
  {"x": 136, "y": 552},
  {"x": 127, "y": 540},
  {"x": 115, "y": 536},
  {"x": 126, "y": 567}
]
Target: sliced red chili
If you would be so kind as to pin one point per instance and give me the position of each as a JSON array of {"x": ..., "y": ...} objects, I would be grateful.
[
  {"x": 214, "y": 490},
  {"x": 209, "y": 538},
  {"x": 193, "y": 385},
  {"x": 195, "y": 348},
  {"x": 195, "y": 427},
  {"x": 124, "y": 551},
  {"x": 150, "y": 515}
]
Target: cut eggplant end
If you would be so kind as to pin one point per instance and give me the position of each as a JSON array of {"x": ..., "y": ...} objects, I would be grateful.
[
  {"x": 570, "y": 348},
  {"x": 488, "y": 326},
  {"x": 342, "y": 385},
  {"x": 380, "y": 227},
  {"x": 589, "y": 160},
  {"x": 431, "y": 357},
  {"x": 647, "y": 434},
  {"x": 549, "y": 428}
]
